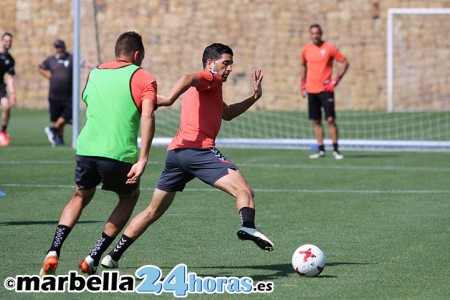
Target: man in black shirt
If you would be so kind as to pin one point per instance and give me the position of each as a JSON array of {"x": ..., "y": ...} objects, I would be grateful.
[
  {"x": 6, "y": 67},
  {"x": 58, "y": 69}
]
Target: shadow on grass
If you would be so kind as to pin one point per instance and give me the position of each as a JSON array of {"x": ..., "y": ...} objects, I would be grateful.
[
  {"x": 333, "y": 264},
  {"x": 277, "y": 270},
  {"x": 27, "y": 223}
]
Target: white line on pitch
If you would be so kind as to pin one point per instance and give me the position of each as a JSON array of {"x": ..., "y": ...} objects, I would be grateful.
[
  {"x": 268, "y": 166},
  {"x": 257, "y": 190}
]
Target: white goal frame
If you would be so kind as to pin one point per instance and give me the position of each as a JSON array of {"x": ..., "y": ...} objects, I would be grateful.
[{"x": 390, "y": 43}]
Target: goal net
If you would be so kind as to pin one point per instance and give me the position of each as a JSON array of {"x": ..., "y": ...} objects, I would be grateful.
[{"x": 418, "y": 85}]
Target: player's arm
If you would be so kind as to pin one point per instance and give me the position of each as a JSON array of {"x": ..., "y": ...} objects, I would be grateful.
[
  {"x": 343, "y": 68},
  {"x": 303, "y": 72},
  {"x": 232, "y": 111},
  {"x": 46, "y": 73},
  {"x": 11, "y": 89},
  {"x": 147, "y": 133},
  {"x": 181, "y": 86},
  {"x": 331, "y": 85}
]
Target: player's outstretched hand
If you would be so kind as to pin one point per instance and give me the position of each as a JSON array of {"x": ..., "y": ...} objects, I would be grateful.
[{"x": 257, "y": 80}]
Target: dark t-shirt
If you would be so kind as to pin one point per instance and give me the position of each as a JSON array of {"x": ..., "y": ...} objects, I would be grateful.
[
  {"x": 6, "y": 66},
  {"x": 61, "y": 80}
]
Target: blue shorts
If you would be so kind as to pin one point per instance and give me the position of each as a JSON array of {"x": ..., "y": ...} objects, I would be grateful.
[
  {"x": 90, "y": 171},
  {"x": 183, "y": 165}
]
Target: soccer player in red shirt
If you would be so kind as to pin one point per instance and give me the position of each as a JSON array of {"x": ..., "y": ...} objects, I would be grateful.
[
  {"x": 192, "y": 153},
  {"x": 316, "y": 74}
]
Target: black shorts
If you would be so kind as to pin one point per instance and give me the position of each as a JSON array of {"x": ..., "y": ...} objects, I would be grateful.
[
  {"x": 183, "y": 165},
  {"x": 90, "y": 171},
  {"x": 3, "y": 93},
  {"x": 60, "y": 108},
  {"x": 317, "y": 101}
]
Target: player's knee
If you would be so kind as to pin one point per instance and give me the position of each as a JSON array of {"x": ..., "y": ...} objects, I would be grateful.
[
  {"x": 5, "y": 106},
  {"x": 247, "y": 191},
  {"x": 330, "y": 121},
  {"x": 80, "y": 199},
  {"x": 151, "y": 214}
]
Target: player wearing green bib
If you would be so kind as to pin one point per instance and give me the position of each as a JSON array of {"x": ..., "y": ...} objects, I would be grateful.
[
  {"x": 120, "y": 98},
  {"x": 107, "y": 132}
]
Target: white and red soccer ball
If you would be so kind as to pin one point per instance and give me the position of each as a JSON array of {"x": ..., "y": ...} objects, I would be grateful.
[{"x": 308, "y": 260}]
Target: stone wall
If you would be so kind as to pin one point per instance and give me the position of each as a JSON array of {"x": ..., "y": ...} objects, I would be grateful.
[{"x": 264, "y": 34}]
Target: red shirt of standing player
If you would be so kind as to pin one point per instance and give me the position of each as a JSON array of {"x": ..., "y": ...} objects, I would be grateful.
[{"x": 316, "y": 74}]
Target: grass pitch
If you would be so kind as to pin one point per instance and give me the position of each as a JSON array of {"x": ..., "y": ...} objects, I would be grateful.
[{"x": 381, "y": 218}]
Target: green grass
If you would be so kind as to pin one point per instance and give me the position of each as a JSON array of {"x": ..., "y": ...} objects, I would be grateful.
[{"x": 382, "y": 219}]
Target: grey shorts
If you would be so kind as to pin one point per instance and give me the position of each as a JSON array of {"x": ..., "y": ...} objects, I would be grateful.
[
  {"x": 90, "y": 171},
  {"x": 183, "y": 165}
]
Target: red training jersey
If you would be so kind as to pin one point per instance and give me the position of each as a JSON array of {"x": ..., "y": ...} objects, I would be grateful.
[
  {"x": 319, "y": 62},
  {"x": 201, "y": 113}
]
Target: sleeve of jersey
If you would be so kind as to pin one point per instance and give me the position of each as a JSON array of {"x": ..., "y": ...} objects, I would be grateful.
[
  {"x": 338, "y": 55},
  {"x": 44, "y": 65},
  {"x": 143, "y": 86},
  {"x": 206, "y": 79}
]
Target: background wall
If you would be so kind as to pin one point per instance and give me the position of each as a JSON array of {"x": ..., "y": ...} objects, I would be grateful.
[{"x": 262, "y": 33}]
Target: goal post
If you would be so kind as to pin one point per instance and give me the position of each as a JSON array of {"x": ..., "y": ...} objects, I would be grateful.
[{"x": 391, "y": 13}]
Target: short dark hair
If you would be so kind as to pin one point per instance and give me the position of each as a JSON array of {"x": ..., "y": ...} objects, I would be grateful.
[
  {"x": 315, "y": 26},
  {"x": 128, "y": 43},
  {"x": 215, "y": 51},
  {"x": 7, "y": 34}
]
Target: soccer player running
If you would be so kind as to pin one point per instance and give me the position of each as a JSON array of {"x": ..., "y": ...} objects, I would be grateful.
[
  {"x": 6, "y": 67},
  {"x": 192, "y": 153},
  {"x": 120, "y": 98},
  {"x": 316, "y": 72}
]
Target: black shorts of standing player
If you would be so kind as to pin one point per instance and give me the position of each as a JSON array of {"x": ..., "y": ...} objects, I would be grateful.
[
  {"x": 183, "y": 165},
  {"x": 3, "y": 93},
  {"x": 90, "y": 171},
  {"x": 60, "y": 108},
  {"x": 317, "y": 101}
]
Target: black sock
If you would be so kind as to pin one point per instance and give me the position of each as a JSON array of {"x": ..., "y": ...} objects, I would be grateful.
[
  {"x": 247, "y": 215},
  {"x": 102, "y": 244},
  {"x": 335, "y": 147},
  {"x": 4, "y": 128},
  {"x": 322, "y": 148},
  {"x": 61, "y": 233},
  {"x": 121, "y": 247}
]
